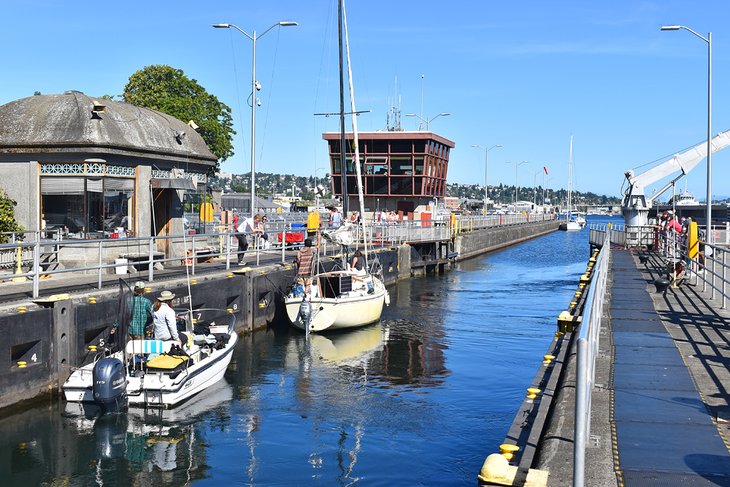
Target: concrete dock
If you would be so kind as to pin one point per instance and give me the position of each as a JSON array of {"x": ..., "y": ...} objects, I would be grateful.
[{"x": 660, "y": 409}]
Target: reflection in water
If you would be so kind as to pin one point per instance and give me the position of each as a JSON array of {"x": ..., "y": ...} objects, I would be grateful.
[{"x": 419, "y": 398}]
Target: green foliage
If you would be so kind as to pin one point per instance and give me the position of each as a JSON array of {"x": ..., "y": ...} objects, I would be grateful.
[
  {"x": 168, "y": 90},
  {"x": 7, "y": 216}
]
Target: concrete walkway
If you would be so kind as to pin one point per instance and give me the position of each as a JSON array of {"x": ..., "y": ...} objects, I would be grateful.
[
  {"x": 663, "y": 431},
  {"x": 661, "y": 405}
]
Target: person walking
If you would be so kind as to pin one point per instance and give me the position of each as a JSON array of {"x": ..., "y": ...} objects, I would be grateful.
[{"x": 247, "y": 229}]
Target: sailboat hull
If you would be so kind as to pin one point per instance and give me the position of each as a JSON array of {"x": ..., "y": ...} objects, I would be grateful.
[
  {"x": 348, "y": 310},
  {"x": 570, "y": 226}
]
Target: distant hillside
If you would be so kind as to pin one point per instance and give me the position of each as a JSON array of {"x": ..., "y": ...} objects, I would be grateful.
[{"x": 303, "y": 186}]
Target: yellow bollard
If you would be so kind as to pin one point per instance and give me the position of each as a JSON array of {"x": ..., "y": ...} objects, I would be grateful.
[
  {"x": 92, "y": 300},
  {"x": 22, "y": 364},
  {"x": 229, "y": 275},
  {"x": 92, "y": 348},
  {"x": 508, "y": 451},
  {"x": 548, "y": 359},
  {"x": 19, "y": 267},
  {"x": 532, "y": 392},
  {"x": 22, "y": 309},
  {"x": 193, "y": 281},
  {"x": 230, "y": 310}
]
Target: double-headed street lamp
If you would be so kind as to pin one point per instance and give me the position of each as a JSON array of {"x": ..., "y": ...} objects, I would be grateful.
[
  {"x": 486, "y": 166},
  {"x": 708, "y": 40},
  {"x": 517, "y": 166},
  {"x": 426, "y": 121},
  {"x": 255, "y": 86}
]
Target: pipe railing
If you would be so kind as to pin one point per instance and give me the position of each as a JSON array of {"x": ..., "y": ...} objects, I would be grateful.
[
  {"x": 102, "y": 256},
  {"x": 587, "y": 351}
]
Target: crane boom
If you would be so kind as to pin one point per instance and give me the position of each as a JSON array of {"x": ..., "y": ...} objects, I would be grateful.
[{"x": 635, "y": 205}]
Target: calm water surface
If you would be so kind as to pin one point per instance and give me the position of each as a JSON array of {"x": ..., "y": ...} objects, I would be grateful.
[{"x": 420, "y": 398}]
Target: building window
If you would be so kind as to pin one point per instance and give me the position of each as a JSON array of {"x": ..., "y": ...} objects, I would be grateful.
[{"x": 88, "y": 207}]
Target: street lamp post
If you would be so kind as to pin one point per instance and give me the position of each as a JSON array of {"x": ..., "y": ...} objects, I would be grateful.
[
  {"x": 708, "y": 40},
  {"x": 255, "y": 86},
  {"x": 486, "y": 166},
  {"x": 517, "y": 165},
  {"x": 427, "y": 121}
]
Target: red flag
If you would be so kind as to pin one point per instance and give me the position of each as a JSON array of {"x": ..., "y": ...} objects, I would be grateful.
[{"x": 545, "y": 169}]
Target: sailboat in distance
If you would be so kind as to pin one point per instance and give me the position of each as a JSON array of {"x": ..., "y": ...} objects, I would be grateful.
[
  {"x": 570, "y": 222},
  {"x": 346, "y": 297}
]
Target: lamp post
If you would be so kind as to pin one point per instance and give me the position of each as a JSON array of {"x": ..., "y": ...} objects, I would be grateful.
[
  {"x": 708, "y": 40},
  {"x": 255, "y": 86},
  {"x": 427, "y": 121},
  {"x": 486, "y": 166},
  {"x": 517, "y": 165}
]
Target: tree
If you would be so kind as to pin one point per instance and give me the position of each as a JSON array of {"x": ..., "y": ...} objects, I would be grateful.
[
  {"x": 7, "y": 216},
  {"x": 168, "y": 90}
]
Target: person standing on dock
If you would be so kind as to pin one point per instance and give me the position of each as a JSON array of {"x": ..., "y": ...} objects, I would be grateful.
[
  {"x": 335, "y": 218},
  {"x": 246, "y": 229}
]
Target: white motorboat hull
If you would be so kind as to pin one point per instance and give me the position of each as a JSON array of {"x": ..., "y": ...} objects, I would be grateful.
[
  {"x": 350, "y": 310},
  {"x": 157, "y": 389}
]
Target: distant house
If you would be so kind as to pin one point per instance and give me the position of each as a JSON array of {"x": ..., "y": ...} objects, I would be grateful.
[{"x": 95, "y": 168}]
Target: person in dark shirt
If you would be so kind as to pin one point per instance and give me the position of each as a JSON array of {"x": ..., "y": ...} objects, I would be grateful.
[{"x": 305, "y": 261}]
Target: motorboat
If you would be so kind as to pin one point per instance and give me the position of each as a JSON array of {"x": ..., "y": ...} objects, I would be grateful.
[{"x": 153, "y": 373}]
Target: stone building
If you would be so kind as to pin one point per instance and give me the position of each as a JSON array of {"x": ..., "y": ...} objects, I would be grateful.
[{"x": 92, "y": 168}]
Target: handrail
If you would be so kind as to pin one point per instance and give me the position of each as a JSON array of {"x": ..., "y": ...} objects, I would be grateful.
[
  {"x": 220, "y": 245},
  {"x": 587, "y": 344}
]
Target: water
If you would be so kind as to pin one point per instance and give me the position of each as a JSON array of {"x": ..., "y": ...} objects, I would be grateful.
[{"x": 419, "y": 399}]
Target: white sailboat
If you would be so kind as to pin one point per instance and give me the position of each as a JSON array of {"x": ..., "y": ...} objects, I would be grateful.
[
  {"x": 571, "y": 223},
  {"x": 345, "y": 298}
]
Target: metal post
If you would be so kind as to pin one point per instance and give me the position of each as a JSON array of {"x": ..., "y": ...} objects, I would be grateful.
[
  {"x": 709, "y": 138},
  {"x": 192, "y": 256},
  {"x": 150, "y": 275},
  {"x": 580, "y": 416},
  {"x": 100, "y": 264},
  {"x": 36, "y": 268},
  {"x": 253, "y": 127},
  {"x": 283, "y": 246},
  {"x": 228, "y": 250},
  {"x": 724, "y": 274}
]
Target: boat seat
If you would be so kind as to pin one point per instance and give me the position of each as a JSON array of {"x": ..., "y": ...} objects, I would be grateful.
[{"x": 148, "y": 346}]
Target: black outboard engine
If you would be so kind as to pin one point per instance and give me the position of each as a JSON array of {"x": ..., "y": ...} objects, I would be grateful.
[{"x": 110, "y": 384}]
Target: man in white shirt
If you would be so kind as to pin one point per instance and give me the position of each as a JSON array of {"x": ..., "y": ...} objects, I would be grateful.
[{"x": 247, "y": 228}]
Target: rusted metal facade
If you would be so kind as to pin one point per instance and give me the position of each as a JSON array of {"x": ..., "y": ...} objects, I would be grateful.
[{"x": 403, "y": 165}]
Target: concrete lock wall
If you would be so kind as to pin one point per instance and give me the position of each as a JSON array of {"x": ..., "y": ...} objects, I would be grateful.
[
  {"x": 44, "y": 344},
  {"x": 490, "y": 239}
]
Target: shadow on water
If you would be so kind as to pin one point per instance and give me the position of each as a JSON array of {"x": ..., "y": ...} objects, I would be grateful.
[{"x": 419, "y": 398}]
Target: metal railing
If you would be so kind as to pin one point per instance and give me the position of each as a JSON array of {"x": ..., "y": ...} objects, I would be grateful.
[
  {"x": 710, "y": 266},
  {"x": 106, "y": 256},
  {"x": 587, "y": 351}
]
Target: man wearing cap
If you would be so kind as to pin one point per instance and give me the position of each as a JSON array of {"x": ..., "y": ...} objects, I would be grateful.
[
  {"x": 164, "y": 318},
  {"x": 140, "y": 310}
]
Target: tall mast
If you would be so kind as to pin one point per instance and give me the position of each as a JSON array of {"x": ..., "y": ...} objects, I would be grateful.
[
  {"x": 570, "y": 181},
  {"x": 343, "y": 149}
]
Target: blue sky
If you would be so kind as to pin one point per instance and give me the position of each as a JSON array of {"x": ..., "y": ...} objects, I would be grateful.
[{"x": 525, "y": 75}]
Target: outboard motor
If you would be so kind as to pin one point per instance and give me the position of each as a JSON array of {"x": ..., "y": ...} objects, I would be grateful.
[
  {"x": 305, "y": 314},
  {"x": 110, "y": 384}
]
